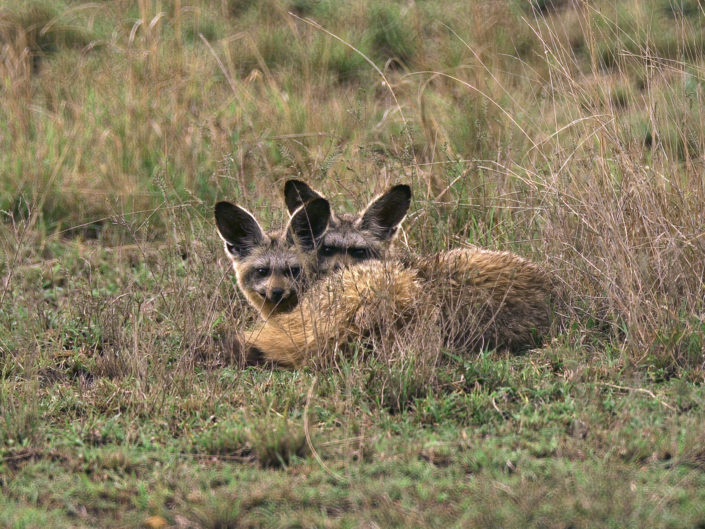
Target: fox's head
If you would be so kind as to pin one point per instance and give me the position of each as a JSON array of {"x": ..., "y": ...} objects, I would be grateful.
[
  {"x": 272, "y": 268},
  {"x": 353, "y": 238}
]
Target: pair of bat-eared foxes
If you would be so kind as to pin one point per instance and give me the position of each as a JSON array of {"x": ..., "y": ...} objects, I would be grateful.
[{"x": 328, "y": 279}]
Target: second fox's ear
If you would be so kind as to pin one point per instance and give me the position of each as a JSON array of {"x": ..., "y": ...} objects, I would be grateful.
[
  {"x": 309, "y": 223},
  {"x": 238, "y": 228},
  {"x": 298, "y": 193},
  {"x": 385, "y": 213}
]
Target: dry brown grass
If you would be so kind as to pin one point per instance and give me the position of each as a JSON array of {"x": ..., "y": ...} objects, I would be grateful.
[{"x": 573, "y": 137}]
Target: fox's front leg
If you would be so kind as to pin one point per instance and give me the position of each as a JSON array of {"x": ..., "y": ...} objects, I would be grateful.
[{"x": 269, "y": 343}]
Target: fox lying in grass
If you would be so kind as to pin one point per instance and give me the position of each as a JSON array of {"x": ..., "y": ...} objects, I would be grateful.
[
  {"x": 475, "y": 299},
  {"x": 468, "y": 299},
  {"x": 495, "y": 298},
  {"x": 274, "y": 268}
]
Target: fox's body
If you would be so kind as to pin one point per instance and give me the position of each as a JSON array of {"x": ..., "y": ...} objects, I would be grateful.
[
  {"x": 464, "y": 299},
  {"x": 487, "y": 299},
  {"x": 469, "y": 298},
  {"x": 346, "y": 305}
]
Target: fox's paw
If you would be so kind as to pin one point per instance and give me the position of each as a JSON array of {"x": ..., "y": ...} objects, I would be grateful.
[{"x": 235, "y": 350}]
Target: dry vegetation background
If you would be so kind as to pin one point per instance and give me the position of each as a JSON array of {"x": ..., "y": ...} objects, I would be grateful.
[{"x": 571, "y": 132}]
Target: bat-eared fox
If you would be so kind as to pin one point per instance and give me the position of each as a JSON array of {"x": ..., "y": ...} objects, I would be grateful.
[
  {"x": 469, "y": 298},
  {"x": 272, "y": 268}
]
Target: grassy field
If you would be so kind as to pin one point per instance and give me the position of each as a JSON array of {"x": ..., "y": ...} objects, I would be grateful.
[{"x": 570, "y": 132}]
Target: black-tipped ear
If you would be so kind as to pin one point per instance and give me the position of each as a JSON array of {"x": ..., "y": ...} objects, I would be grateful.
[
  {"x": 384, "y": 214},
  {"x": 309, "y": 223},
  {"x": 238, "y": 228},
  {"x": 298, "y": 193}
]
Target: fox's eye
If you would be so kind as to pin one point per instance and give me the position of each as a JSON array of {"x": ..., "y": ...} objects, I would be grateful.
[
  {"x": 294, "y": 271},
  {"x": 262, "y": 272},
  {"x": 358, "y": 253},
  {"x": 328, "y": 251}
]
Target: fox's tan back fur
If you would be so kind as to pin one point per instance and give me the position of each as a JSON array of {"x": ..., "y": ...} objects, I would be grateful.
[
  {"x": 272, "y": 268},
  {"x": 486, "y": 298},
  {"x": 472, "y": 298}
]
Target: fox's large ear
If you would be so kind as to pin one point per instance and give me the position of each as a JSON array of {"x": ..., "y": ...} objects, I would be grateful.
[
  {"x": 238, "y": 228},
  {"x": 298, "y": 193},
  {"x": 309, "y": 223},
  {"x": 385, "y": 213}
]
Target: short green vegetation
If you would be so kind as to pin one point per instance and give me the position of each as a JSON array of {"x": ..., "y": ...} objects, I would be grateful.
[{"x": 569, "y": 132}]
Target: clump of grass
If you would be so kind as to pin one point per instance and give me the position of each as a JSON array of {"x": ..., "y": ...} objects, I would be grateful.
[
  {"x": 397, "y": 384},
  {"x": 276, "y": 440},
  {"x": 227, "y": 438},
  {"x": 636, "y": 275},
  {"x": 39, "y": 26},
  {"x": 543, "y": 6},
  {"x": 343, "y": 63},
  {"x": 20, "y": 426},
  {"x": 681, "y": 8},
  {"x": 393, "y": 38},
  {"x": 240, "y": 7},
  {"x": 219, "y": 513}
]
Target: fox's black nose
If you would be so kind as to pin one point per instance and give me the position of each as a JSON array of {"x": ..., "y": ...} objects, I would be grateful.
[{"x": 276, "y": 294}]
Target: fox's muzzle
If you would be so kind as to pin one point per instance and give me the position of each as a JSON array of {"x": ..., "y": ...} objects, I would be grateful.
[{"x": 277, "y": 294}]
